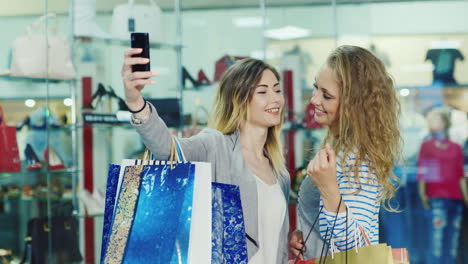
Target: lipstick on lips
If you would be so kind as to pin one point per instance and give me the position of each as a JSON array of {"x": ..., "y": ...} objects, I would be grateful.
[{"x": 319, "y": 113}]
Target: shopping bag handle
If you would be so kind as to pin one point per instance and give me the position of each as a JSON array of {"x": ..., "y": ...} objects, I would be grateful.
[
  {"x": 2, "y": 118},
  {"x": 176, "y": 154},
  {"x": 308, "y": 234},
  {"x": 37, "y": 23},
  {"x": 180, "y": 154},
  {"x": 132, "y": 2},
  {"x": 331, "y": 233},
  {"x": 366, "y": 239}
]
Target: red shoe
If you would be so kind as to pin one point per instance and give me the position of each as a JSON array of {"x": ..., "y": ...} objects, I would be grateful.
[
  {"x": 32, "y": 160},
  {"x": 202, "y": 79},
  {"x": 55, "y": 163}
]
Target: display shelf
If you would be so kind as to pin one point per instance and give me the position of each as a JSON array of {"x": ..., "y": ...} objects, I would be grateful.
[
  {"x": 90, "y": 216},
  {"x": 41, "y": 171},
  {"x": 106, "y": 126},
  {"x": 121, "y": 42},
  {"x": 35, "y": 80},
  {"x": 43, "y": 200}
]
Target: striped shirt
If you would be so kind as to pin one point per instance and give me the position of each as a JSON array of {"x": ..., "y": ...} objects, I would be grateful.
[{"x": 363, "y": 207}]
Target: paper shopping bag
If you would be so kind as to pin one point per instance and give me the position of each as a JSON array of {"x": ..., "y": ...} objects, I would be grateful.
[
  {"x": 156, "y": 220},
  {"x": 228, "y": 228},
  {"x": 9, "y": 159},
  {"x": 380, "y": 253},
  {"x": 42, "y": 53}
]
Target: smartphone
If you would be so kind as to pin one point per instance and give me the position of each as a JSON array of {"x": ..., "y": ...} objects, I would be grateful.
[{"x": 141, "y": 40}]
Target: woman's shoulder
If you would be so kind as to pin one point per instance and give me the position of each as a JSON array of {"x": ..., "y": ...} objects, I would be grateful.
[
  {"x": 347, "y": 163},
  {"x": 352, "y": 157}
]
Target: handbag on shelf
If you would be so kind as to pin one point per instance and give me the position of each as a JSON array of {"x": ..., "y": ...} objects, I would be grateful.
[
  {"x": 9, "y": 159},
  {"x": 131, "y": 17},
  {"x": 40, "y": 53},
  {"x": 58, "y": 236}
]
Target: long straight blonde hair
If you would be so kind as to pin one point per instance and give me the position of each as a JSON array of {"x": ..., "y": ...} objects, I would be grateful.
[{"x": 231, "y": 104}]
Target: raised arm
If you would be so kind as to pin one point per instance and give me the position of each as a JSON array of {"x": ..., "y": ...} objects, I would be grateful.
[{"x": 149, "y": 125}]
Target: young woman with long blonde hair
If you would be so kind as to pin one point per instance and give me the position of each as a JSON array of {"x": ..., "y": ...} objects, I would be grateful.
[{"x": 242, "y": 145}]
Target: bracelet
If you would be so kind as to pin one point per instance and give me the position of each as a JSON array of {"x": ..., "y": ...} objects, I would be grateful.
[{"x": 138, "y": 111}]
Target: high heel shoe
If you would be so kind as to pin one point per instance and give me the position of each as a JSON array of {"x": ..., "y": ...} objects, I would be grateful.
[
  {"x": 202, "y": 79},
  {"x": 91, "y": 205},
  {"x": 32, "y": 161},
  {"x": 186, "y": 75},
  {"x": 53, "y": 159}
]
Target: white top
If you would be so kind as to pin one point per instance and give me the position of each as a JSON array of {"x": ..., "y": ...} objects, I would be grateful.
[{"x": 271, "y": 212}]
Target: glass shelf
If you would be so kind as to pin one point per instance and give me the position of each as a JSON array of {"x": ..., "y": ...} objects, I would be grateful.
[
  {"x": 36, "y": 200},
  {"x": 106, "y": 126},
  {"x": 41, "y": 171},
  {"x": 121, "y": 42},
  {"x": 90, "y": 216},
  {"x": 36, "y": 80}
]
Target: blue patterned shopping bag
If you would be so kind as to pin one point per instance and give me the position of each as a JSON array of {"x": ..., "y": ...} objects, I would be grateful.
[
  {"x": 152, "y": 218},
  {"x": 160, "y": 231},
  {"x": 158, "y": 213},
  {"x": 228, "y": 228},
  {"x": 111, "y": 191}
]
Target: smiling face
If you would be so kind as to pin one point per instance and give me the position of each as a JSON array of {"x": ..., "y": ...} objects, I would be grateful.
[
  {"x": 326, "y": 98},
  {"x": 267, "y": 102}
]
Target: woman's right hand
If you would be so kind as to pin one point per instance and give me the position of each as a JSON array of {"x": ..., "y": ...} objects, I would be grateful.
[
  {"x": 134, "y": 82},
  {"x": 296, "y": 244}
]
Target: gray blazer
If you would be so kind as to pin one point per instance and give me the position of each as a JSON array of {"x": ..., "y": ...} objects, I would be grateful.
[
  {"x": 224, "y": 152},
  {"x": 307, "y": 210}
]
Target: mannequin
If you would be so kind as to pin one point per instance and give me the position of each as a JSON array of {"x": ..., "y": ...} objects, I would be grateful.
[
  {"x": 440, "y": 178},
  {"x": 443, "y": 60}
]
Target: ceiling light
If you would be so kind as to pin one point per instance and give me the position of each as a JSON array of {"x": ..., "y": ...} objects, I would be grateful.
[
  {"x": 286, "y": 33},
  {"x": 404, "y": 92},
  {"x": 30, "y": 103},
  {"x": 68, "y": 101},
  {"x": 248, "y": 21}
]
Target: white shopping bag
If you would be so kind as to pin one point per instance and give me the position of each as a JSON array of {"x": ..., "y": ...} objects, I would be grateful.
[{"x": 199, "y": 250}]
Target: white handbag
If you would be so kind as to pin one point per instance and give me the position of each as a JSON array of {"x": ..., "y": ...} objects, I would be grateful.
[
  {"x": 131, "y": 17},
  {"x": 40, "y": 53}
]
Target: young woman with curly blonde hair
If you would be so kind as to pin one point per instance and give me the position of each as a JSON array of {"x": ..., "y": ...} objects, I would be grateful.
[{"x": 351, "y": 175}]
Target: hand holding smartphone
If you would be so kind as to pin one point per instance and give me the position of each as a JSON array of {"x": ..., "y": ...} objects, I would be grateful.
[{"x": 141, "y": 40}]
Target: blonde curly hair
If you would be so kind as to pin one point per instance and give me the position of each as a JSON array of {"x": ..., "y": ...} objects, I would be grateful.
[{"x": 368, "y": 115}]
